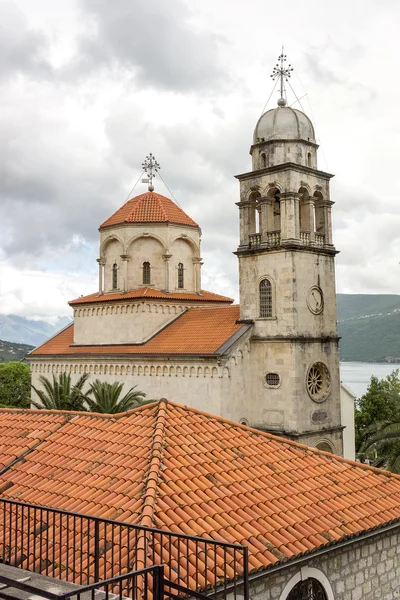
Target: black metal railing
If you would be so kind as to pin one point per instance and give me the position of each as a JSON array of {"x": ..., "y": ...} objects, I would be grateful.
[
  {"x": 84, "y": 550},
  {"x": 139, "y": 584}
]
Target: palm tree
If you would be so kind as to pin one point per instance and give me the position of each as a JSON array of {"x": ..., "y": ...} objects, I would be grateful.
[
  {"x": 61, "y": 394},
  {"x": 106, "y": 397},
  {"x": 384, "y": 441}
]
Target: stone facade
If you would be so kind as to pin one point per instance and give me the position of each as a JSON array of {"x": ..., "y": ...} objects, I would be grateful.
[
  {"x": 164, "y": 245},
  {"x": 364, "y": 570}
]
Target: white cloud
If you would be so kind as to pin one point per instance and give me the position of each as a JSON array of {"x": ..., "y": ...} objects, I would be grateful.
[
  {"x": 40, "y": 294},
  {"x": 76, "y": 123}
]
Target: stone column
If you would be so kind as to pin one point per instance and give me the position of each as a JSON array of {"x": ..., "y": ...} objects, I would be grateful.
[
  {"x": 125, "y": 260},
  {"x": 101, "y": 262},
  {"x": 328, "y": 222},
  {"x": 311, "y": 217},
  {"x": 197, "y": 264},
  {"x": 288, "y": 216},
  {"x": 245, "y": 209},
  {"x": 166, "y": 258},
  {"x": 297, "y": 216},
  {"x": 264, "y": 218}
]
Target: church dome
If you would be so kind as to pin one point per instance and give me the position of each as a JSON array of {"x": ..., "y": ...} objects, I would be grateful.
[
  {"x": 149, "y": 207},
  {"x": 283, "y": 123}
]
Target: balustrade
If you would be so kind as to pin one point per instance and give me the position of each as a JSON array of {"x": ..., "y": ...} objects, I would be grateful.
[
  {"x": 254, "y": 239},
  {"x": 274, "y": 238},
  {"x": 305, "y": 237}
]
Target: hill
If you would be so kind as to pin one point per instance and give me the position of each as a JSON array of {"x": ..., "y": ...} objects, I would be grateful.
[
  {"x": 9, "y": 351},
  {"x": 369, "y": 325}
]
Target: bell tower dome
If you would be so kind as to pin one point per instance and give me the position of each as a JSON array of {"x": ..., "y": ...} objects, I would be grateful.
[{"x": 287, "y": 275}]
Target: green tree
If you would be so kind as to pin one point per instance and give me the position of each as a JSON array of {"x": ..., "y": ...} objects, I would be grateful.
[
  {"x": 380, "y": 403},
  {"x": 15, "y": 385},
  {"x": 61, "y": 394},
  {"x": 106, "y": 397}
]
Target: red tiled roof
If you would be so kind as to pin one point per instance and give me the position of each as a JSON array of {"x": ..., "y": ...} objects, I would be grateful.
[
  {"x": 149, "y": 208},
  {"x": 214, "y": 478},
  {"x": 151, "y": 293},
  {"x": 197, "y": 331}
]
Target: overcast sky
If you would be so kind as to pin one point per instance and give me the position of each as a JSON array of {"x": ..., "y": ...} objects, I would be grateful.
[{"x": 89, "y": 87}]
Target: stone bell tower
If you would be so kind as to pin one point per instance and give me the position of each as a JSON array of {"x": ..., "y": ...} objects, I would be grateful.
[{"x": 287, "y": 280}]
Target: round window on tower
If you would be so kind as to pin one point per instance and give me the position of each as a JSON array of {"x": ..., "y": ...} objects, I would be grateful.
[
  {"x": 318, "y": 382},
  {"x": 272, "y": 379}
]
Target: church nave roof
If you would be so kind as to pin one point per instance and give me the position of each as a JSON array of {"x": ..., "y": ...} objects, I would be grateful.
[{"x": 198, "y": 331}]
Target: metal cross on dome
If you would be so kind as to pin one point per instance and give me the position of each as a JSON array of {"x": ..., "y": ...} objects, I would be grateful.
[
  {"x": 284, "y": 72},
  {"x": 150, "y": 166}
]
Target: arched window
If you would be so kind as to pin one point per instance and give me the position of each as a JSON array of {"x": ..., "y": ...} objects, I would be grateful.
[
  {"x": 180, "y": 276},
  {"x": 309, "y": 159},
  {"x": 265, "y": 298},
  {"x": 115, "y": 276},
  {"x": 264, "y": 160},
  {"x": 146, "y": 272},
  {"x": 309, "y": 589}
]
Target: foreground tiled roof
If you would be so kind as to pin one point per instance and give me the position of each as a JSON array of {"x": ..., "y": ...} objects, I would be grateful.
[
  {"x": 209, "y": 477},
  {"x": 199, "y": 331},
  {"x": 153, "y": 294},
  {"x": 149, "y": 208}
]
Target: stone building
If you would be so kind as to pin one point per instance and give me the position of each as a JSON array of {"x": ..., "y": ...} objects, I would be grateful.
[{"x": 271, "y": 362}]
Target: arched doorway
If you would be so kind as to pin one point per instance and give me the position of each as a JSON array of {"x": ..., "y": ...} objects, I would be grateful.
[{"x": 308, "y": 589}]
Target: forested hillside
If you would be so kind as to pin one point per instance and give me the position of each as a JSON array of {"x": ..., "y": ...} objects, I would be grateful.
[
  {"x": 10, "y": 351},
  {"x": 369, "y": 325}
]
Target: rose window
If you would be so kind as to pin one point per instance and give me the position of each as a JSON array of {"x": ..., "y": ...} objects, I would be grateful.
[{"x": 318, "y": 382}]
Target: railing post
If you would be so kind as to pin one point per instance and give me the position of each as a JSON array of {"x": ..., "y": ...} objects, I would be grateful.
[
  {"x": 246, "y": 591},
  {"x": 96, "y": 550},
  {"x": 158, "y": 588}
]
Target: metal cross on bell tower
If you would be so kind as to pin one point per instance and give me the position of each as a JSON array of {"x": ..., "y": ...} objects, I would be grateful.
[
  {"x": 284, "y": 72},
  {"x": 150, "y": 166}
]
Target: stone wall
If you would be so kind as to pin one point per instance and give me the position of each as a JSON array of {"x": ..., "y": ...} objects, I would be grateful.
[{"x": 364, "y": 570}]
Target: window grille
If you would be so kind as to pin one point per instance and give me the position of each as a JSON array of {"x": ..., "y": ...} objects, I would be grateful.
[
  {"x": 265, "y": 298},
  {"x": 146, "y": 272},
  {"x": 272, "y": 379},
  {"x": 115, "y": 276},
  {"x": 309, "y": 589},
  {"x": 180, "y": 276}
]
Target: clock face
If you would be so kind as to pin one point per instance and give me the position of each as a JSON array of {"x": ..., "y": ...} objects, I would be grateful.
[{"x": 315, "y": 300}]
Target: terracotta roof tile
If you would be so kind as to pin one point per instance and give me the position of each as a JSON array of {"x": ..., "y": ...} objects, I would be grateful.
[
  {"x": 178, "y": 468},
  {"x": 197, "y": 331},
  {"x": 149, "y": 208},
  {"x": 151, "y": 293}
]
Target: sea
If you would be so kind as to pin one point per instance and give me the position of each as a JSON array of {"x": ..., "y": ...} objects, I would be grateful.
[{"x": 357, "y": 375}]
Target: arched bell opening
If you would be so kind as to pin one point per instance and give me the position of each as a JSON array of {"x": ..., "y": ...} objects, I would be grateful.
[
  {"x": 254, "y": 213},
  {"x": 274, "y": 193},
  {"x": 320, "y": 225},
  {"x": 306, "y": 209}
]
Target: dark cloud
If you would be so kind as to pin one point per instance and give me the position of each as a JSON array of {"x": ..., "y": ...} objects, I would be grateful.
[
  {"x": 154, "y": 40},
  {"x": 22, "y": 50}
]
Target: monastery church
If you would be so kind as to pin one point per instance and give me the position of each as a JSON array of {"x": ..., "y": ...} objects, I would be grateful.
[{"x": 272, "y": 362}]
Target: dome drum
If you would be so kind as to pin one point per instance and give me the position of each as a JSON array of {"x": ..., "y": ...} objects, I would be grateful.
[{"x": 277, "y": 152}]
